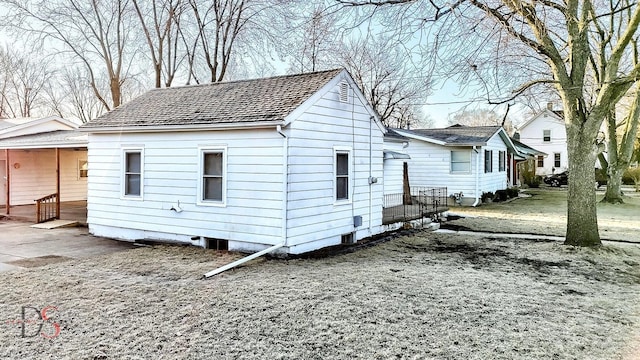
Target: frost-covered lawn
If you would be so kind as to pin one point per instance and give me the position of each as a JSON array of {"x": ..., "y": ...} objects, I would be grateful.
[
  {"x": 545, "y": 212},
  {"x": 426, "y": 295}
]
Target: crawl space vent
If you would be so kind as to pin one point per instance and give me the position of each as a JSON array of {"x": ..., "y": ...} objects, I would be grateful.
[{"x": 347, "y": 239}]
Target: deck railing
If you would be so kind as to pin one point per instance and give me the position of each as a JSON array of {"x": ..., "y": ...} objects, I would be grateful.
[
  {"x": 422, "y": 202},
  {"x": 47, "y": 208}
]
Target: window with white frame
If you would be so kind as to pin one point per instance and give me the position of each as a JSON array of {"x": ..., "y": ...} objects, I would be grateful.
[
  {"x": 540, "y": 161},
  {"x": 488, "y": 161},
  {"x": 83, "y": 169},
  {"x": 460, "y": 161},
  {"x": 556, "y": 160},
  {"x": 342, "y": 174},
  {"x": 546, "y": 135},
  {"x": 132, "y": 173},
  {"x": 502, "y": 160},
  {"x": 212, "y": 187}
]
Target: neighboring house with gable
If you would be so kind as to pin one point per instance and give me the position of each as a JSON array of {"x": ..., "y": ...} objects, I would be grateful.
[
  {"x": 546, "y": 132},
  {"x": 287, "y": 163},
  {"x": 41, "y": 157},
  {"x": 465, "y": 159}
]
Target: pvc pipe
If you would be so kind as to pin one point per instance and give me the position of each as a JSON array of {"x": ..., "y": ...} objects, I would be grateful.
[{"x": 243, "y": 260}]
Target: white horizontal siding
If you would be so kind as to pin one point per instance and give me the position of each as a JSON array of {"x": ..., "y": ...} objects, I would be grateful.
[
  {"x": 532, "y": 135},
  {"x": 313, "y": 218},
  {"x": 254, "y": 199},
  {"x": 35, "y": 175},
  {"x": 495, "y": 180}
]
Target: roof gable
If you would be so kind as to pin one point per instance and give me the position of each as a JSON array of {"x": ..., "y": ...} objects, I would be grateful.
[
  {"x": 28, "y": 126},
  {"x": 245, "y": 102},
  {"x": 553, "y": 114}
]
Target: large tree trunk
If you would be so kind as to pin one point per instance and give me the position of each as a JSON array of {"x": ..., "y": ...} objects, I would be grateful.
[
  {"x": 613, "y": 195},
  {"x": 582, "y": 220}
]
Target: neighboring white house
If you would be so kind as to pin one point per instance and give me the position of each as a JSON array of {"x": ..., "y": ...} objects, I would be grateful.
[
  {"x": 291, "y": 161},
  {"x": 466, "y": 159},
  {"x": 546, "y": 132},
  {"x": 33, "y": 151}
]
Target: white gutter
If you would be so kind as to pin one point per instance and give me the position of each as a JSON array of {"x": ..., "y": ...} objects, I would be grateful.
[
  {"x": 180, "y": 128},
  {"x": 477, "y": 202},
  {"x": 285, "y": 182}
]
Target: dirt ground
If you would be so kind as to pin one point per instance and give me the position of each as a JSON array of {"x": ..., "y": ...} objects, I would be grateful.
[{"x": 421, "y": 295}]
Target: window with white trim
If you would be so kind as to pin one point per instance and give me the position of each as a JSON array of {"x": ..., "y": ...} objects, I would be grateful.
[
  {"x": 132, "y": 173},
  {"x": 488, "y": 161},
  {"x": 540, "y": 162},
  {"x": 83, "y": 169},
  {"x": 502, "y": 160},
  {"x": 460, "y": 161},
  {"x": 342, "y": 174},
  {"x": 212, "y": 187},
  {"x": 556, "y": 160},
  {"x": 546, "y": 135}
]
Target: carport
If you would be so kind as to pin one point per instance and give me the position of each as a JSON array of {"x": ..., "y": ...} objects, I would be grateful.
[{"x": 45, "y": 176}]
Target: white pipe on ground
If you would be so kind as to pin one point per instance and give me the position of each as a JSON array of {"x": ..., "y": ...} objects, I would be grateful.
[{"x": 243, "y": 260}]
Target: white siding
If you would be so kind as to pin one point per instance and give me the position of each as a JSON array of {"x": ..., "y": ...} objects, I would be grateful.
[
  {"x": 532, "y": 135},
  {"x": 313, "y": 218},
  {"x": 33, "y": 175},
  {"x": 254, "y": 200},
  {"x": 430, "y": 166},
  {"x": 393, "y": 174},
  {"x": 495, "y": 180}
]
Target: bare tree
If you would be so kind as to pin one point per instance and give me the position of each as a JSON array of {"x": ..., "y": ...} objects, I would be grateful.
[
  {"x": 95, "y": 33},
  {"x": 392, "y": 85},
  {"x": 160, "y": 22},
  {"x": 553, "y": 36},
  {"x": 481, "y": 117},
  {"x": 77, "y": 86}
]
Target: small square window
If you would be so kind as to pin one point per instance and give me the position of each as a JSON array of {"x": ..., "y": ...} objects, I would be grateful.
[
  {"x": 83, "y": 169},
  {"x": 460, "y": 161}
]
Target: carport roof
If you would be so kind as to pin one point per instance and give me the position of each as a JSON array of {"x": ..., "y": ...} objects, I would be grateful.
[{"x": 47, "y": 140}]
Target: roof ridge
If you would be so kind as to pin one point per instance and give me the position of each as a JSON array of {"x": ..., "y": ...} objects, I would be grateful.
[{"x": 226, "y": 82}]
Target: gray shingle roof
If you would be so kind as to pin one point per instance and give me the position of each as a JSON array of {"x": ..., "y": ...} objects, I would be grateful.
[
  {"x": 457, "y": 134},
  {"x": 245, "y": 101},
  {"x": 59, "y": 138}
]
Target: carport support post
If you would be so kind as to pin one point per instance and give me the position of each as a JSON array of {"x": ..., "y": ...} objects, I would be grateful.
[
  {"x": 58, "y": 182},
  {"x": 8, "y": 181}
]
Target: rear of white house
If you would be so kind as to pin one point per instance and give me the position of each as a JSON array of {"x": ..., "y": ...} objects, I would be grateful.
[
  {"x": 291, "y": 160},
  {"x": 470, "y": 160}
]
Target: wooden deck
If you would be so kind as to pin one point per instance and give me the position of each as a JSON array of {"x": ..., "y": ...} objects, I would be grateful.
[{"x": 70, "y": 210}]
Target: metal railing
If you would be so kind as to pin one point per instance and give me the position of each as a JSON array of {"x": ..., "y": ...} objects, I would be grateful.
[
  {"x": 47, "y": 208},
  {"x": 422, "y": 202}
]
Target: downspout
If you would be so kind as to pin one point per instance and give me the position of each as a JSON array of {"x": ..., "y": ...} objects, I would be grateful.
[
  {"x": 477, "y": 195},
  {"x": 285, "y": 194},
  {"x": 371, "y": 182}
]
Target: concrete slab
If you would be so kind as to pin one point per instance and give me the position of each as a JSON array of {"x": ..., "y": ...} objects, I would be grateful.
[
  {"x": 20, "y": 241},
  {"x": 54, "y": 224}
]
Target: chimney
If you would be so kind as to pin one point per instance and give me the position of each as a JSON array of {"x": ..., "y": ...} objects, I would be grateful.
[{"x": 550, "y": 106}]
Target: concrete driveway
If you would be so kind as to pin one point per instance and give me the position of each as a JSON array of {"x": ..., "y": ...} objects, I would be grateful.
[{"x": 22, "y": 246}]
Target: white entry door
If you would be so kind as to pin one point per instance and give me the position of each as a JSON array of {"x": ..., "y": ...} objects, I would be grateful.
[{"x": 3, "y": 182}]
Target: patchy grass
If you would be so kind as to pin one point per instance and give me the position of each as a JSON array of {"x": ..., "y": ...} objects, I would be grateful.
[
  {"x": 440, "y": 296},
  {"x": 545, "y": 213}
]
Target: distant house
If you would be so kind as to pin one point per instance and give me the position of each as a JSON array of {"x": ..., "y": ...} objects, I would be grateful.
[
  {"x": 466, "y": 159},
  {"x": 290, "y": 163},
  {"x": 41, "y": 157},
  {"x": 546, "y": 132}
]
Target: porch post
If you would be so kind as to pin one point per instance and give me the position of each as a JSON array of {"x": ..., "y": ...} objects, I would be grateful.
[
  {"x": 58, "y": 182},
  {"x": 7, "y": 172}
]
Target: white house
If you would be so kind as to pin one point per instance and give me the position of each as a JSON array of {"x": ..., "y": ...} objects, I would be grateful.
[
  {"x": 40, "y": 157},
  {"x": 466, "y": 159},
  {"x": 290, "y": 163},
  {"x": 546, "y": 132}
]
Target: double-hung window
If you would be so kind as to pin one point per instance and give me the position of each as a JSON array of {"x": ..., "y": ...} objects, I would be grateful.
[
  {"x": 540, "y": 161},
  {"x": 460, "y": 161},
  {"x": 556, "y": 160},
  {"x": 212, "y": 183},
  {"x": 488, "y": 161},
  {"x": 502, "y": 160},
  {"x": 546, "y": 135},
  {"x": 132, "y": 173},
  {"x": 342, "y": 174}
]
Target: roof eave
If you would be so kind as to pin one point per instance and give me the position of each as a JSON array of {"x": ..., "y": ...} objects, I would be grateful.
[
  {"x": 46, "y": 146},
  {"x": 180, "y": 128}
]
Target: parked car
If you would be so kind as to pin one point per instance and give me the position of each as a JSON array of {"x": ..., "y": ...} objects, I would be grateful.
[
  {"x": 557, "y": 179},
  {"x": 562, "y": 178}
]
